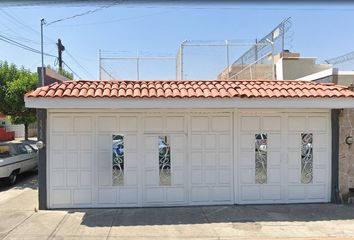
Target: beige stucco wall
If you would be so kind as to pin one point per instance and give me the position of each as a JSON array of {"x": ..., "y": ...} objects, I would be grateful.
[
  {"x": 297, "y": 68},
  {"x": 345, "y": 80},
  {"x": 256, "y": 71},
  {"x": 346, "y": 154}
]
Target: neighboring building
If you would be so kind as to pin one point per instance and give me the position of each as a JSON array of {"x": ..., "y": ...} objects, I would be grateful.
[
  {"x": 288, "y": 66},
  {"x": 346, "y": 130},
  {"x": 332, "y": 75},
  {"x": 239, "y": 71},
  {"x": 167, "y": 143},
  {"x": 5, "y": 135},
  {"x": 15, "y": 130}
]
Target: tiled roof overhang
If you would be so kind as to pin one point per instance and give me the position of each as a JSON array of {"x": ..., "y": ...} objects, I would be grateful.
[{"x": 191, "y": 89}]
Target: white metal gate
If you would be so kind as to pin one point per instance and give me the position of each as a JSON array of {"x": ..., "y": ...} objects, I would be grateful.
[
  {"x": 213, "y": 158},
  {"x": 285, "y": 167}
]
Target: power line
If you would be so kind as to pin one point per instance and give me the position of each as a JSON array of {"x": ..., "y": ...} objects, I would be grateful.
[
  {"x": 78, "y": 63},
  {"x": 109, "y": 74},
  {"x": 23, "y": 46},
  {"x": 38, "y": 62},
  {"x": 14, "y": 35},
  {"x": 23, "y": 25},
  {"x": 118, "y": 20},
  {"x": 16, "y": 21},
  {"x": 19, "y": 38},
  {"x": 215, "y": 7},
  {"x": 72, "y": 70},
  {"x": 344, "y": 9},
  {"x": 85, "y": 13}
]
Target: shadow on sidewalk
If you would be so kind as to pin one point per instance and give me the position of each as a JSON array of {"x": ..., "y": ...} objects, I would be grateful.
[
  {"x": 214, "y": 214},
  {"x": 24, "y": 180}
]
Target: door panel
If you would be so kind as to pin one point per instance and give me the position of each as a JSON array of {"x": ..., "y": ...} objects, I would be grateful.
[
  {"x": 171, "y": 187},
  {"x": 210, "y": 147},
  {"x": 264, "y": 130},
  {"x": 154, "y": 192},
  {"x": 70, "y": 160},
  {"x": 111, "y": 191},
  {"x": 317, "y": 190}
]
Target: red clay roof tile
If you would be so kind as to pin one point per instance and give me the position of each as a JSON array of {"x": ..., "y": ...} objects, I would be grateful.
[
  {"x": 144, "y": 92},
  {"x": 191, "y": 89},
  {"x": 152, "y": 92}
]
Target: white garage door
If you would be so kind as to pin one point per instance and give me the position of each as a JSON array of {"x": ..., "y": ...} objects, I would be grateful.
[
  {"x": 127, "y": 160},
  {"x": 131, "y": 159},
  {"x": 283, "y": 158}
]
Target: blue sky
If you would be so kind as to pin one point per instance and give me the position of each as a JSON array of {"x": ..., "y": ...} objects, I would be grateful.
[{"x": 323, "y": 31}]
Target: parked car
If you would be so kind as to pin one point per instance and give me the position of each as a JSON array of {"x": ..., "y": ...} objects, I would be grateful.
[{"x": 16, "y": 158}]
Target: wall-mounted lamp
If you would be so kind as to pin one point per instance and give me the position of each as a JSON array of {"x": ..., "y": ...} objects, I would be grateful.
[{"x": 349, "y": 140}]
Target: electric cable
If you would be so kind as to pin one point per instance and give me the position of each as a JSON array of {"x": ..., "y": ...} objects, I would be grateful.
[
  {"x": 72, "y": 70},
  {"x": 23, "y": 46},
  {"x": 78, "y": 63},
  {"x": 85, "y": 13}
]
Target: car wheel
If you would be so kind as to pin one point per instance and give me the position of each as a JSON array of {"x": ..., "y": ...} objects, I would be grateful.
[{"x": 13, "y": 178}]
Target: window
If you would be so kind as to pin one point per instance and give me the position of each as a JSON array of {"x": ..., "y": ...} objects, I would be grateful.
[
  {"x": 18, "y": 149},
  {"x": 261, "y": 158},
  {"x": 164, "y": 161},
  {"x": 29, "y": 149},
  {"x": 306, "y": 158},
  {"x": 4, "y": 151},
  {"x": 118, "y": 160}
]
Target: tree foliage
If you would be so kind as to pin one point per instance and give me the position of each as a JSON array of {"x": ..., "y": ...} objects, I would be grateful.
[
  {"x": 14, "y": 83},
  {"x": 63, "y": 72},
  {"x": 66, "y": 74}
]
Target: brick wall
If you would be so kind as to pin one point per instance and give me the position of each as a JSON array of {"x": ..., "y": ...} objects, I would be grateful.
[{"x": 346, "y": 154}]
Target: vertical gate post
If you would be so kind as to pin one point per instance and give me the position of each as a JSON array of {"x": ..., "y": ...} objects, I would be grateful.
[{"x": 42, "y": 153}]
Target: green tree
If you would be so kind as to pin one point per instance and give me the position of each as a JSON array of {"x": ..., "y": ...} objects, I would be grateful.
[
  {"x": 14, "y": 83},
  {"x": 66, "y": 74}
]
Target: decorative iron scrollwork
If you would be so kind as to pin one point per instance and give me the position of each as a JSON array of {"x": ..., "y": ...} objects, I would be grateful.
[
  {"x": 261, "y": 157},
  {"x": 306, "y": 158},
  {"x": 118, "y": 160},
  {"x": 164, "y": 161}
]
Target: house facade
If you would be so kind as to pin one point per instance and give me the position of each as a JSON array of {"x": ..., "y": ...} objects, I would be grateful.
[{"x": 178, "y": 143}]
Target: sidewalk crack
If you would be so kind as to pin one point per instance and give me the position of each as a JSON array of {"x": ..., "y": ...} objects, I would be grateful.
[
  {"x": 114, "y": 219},
  {"x": 208, "y": 220},
  {"x": 7, "y": 234},
  {"x": 56, "y": 229}
]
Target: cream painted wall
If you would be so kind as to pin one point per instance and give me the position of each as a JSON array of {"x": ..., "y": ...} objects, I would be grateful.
[{"x": 297, "y": 68}]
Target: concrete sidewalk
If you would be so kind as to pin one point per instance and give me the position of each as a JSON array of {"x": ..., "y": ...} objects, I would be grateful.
[{"x": 19, "y": 220}]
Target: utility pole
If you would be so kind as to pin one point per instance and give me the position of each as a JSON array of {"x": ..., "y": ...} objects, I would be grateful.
[
  {"x": 42, "y": 70},
  {"x": 99, "y": 64},
  {"x": 137, "y": 65},
  {"x": 61, "y": 48}
]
